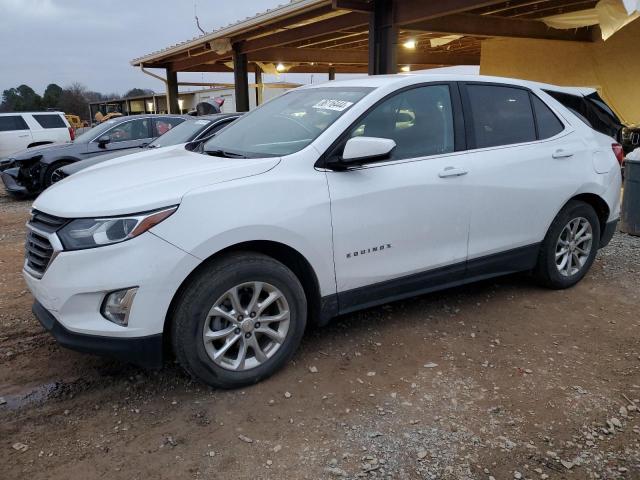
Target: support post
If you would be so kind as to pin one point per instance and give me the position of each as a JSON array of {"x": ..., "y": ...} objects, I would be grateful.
[
  {"x": 259, "y": 91},
  {"x": 240, "y": 79},
  {"x": 172, "y": 92},
  {"x": 332, "y": 73},
  {"x": 383, "y": 38}
]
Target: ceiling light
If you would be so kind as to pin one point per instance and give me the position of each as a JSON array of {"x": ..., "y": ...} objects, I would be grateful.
[
  {"x": 410, "y": 44},
  {"x": 280, "y": 67},
  {"x": 406, "y": 68}
]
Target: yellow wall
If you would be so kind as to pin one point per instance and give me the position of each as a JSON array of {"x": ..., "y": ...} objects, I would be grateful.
[{"x": 613, "y": 67}]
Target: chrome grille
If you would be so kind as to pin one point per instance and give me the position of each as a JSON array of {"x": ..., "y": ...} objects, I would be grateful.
[{"x": 39, "y": 250}]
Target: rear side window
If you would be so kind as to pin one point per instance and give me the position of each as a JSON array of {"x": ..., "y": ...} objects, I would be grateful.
[
  {"x": 500, "y": 115},
  {"x": 10, "y": 123},
  {"x": 50, "y": 121},
  {"x": 548, "y": 124},
  {"x": 164, "y": 124}
]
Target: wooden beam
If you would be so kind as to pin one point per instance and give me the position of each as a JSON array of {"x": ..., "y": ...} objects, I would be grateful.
[
  {"x": 361, "y": 57},
  {"x": 240, "y": 79},
  {"x": 189, "y": 62},
  {"x": 306, "y": 32},
  {"x": 353, "y": 5},
  {"x": 487, "y": 26},
  {"x": 412, "y": 11}
]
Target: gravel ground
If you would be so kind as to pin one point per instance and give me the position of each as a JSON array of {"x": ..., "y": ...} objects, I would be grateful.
[{"x": 498, "y": 380}]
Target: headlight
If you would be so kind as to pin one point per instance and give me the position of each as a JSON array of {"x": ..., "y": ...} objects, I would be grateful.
[{"x": 97, "y": 232}]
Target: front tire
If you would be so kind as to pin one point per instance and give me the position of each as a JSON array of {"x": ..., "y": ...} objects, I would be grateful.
[
  {"x": 570, "y": 246},
  {"x": 239, "y": 320},
  {"x": 49, "y": 175}
]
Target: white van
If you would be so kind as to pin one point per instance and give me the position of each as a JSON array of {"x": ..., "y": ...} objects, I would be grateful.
[{"x": 20, "y": 130}]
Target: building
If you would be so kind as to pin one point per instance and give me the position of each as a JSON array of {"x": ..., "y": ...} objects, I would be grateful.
[
  {"x": 569, "y": 42},
  {"x": 187, "y": 101}
]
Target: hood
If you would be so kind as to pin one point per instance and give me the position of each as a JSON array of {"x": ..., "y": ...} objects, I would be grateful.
[
  {"x": 90, "y": 162},
  {"x": 143, "y": 181},
  {"x": 54, "y": 148}
]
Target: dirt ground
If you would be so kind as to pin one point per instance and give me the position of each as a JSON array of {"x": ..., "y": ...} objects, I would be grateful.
[{"x": 500, "y": 379}]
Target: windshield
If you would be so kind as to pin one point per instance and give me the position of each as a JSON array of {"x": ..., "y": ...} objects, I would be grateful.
[
  {"x": 95, "y": 132},
  {"x": 182, "y": 133},
  {"x": 285, "y": 124}
]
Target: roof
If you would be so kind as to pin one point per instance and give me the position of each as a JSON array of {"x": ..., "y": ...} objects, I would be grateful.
[{"x": 313, "y": 35}]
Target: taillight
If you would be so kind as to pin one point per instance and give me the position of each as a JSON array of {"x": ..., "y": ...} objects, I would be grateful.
[
  {"x": 618, "y": 152},
  {"x": 72, "y": 134}
]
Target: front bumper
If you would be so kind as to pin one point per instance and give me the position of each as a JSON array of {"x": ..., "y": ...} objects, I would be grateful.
[
  {"x": 71, "y": 291},
  {"x": 145, "y": 352},
  {"x": 10, "y": 180}
]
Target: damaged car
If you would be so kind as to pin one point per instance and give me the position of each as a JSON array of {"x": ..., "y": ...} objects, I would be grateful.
[{"x": 30, "y": 171}]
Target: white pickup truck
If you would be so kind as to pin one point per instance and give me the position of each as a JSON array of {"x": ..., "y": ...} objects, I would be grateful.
[{"x": 20, "y": 130}]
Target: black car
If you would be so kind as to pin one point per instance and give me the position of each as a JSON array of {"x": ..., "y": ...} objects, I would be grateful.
[
  {"x": 30, "y": 171},
  {"x": 194, "y": 129}
]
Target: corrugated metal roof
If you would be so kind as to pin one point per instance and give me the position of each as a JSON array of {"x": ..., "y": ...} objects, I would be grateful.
[{"x": 281, "y": 11}]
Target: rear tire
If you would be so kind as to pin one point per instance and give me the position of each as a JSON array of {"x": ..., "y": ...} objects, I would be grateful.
[
  {"x": 570, "y": 246},
  {"x": 225, "y": 329}
]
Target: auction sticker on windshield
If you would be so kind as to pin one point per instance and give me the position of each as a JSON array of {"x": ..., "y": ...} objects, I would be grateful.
[{"x": 337, "y": 105}]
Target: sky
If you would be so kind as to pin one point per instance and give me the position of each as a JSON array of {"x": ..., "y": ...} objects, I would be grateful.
[{"x": 92, "y": 42}]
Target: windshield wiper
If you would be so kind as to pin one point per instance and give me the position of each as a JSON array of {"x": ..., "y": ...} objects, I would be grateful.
[{"x": 224, "y": 154}]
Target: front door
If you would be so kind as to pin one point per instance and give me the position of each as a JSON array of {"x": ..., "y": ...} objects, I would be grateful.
[
  {"x": 125, "y": 135},
  {"x": 401, "y": 225}
]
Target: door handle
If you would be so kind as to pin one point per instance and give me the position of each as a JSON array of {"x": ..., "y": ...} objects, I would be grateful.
[
  {"x": 560, "y": 153},
  {"x": 452, "y": 172}
]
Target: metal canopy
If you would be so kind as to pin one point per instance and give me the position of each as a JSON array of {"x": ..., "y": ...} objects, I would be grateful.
[{"x": 360, "y": 36}]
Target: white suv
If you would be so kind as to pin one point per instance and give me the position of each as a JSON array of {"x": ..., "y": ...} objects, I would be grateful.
[
  {"x": 325, "y": 200},
  {"x": 22, "y": 130}
]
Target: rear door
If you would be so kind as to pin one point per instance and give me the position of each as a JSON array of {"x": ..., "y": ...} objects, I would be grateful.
[
  {"x": 52, "y": 127},
  {"x": 14, "y": 134},
  {"x": 526, "y": 163}
]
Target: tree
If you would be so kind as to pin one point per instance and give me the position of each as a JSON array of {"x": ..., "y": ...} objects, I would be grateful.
[
  {"x": 139, "y": 92},
  {"x": 73, "y": 100},
  {"x": 20, "y": 99},
  {"x": 51, "y": 97}
]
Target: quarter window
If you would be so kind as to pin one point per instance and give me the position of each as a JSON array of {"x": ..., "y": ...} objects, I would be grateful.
[
  {"x": 50, "y": 121},
  {"x": 548, "y": 124},
  {"x": 9, "y": 123},
  {"x": 500, "y": 115},
  {"x": 419, "y": 120}
]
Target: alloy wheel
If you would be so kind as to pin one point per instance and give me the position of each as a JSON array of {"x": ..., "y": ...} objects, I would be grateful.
[
  {"x": 246, "y": 326},
  {"x": 574, "y": 246}
]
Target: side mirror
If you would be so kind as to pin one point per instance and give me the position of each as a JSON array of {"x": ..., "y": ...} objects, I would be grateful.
[
  {"x": 360, "y": 150},
  {"x": 103, "y": 140}
]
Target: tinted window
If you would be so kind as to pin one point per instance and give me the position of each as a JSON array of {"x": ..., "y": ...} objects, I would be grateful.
[
  {"x": 133, "y": 130},
  {"x": 50, "y": 121},
  {"x": 164, "y": 124},
  {"x": 183, "y": 133},
  {"x": 12, "y": 122},
  {"x": 419, "y": 120},
  {"x": 548, "y": 123},
  {"x": 500, "y": 115}
]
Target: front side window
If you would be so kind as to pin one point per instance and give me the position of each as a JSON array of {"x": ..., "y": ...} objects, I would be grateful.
[
  {"x": 419, "y": 120},
  {"x": 9, "y": 123},
  {"x": 500, "y": 115},
  {"x": 286, "y": 124},
  {"x": 132, "y": 130},
  {"x": 50, "y": 121}
]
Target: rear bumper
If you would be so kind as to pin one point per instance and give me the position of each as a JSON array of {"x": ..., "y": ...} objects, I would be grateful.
[
  {"x": 145, "y": 352},
  {"x": 11, "y": 184},
  {"x": 608, "y": 232}
]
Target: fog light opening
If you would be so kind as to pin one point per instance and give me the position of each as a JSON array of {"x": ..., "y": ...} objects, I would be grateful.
[{"x": 117, "y": 306}]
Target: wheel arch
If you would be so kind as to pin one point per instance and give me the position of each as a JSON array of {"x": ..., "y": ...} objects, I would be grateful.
[
  {"x": 38, "y": 144},
  {"x": 285, "y": 254},
  {"x": 599, "y": 205}
]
